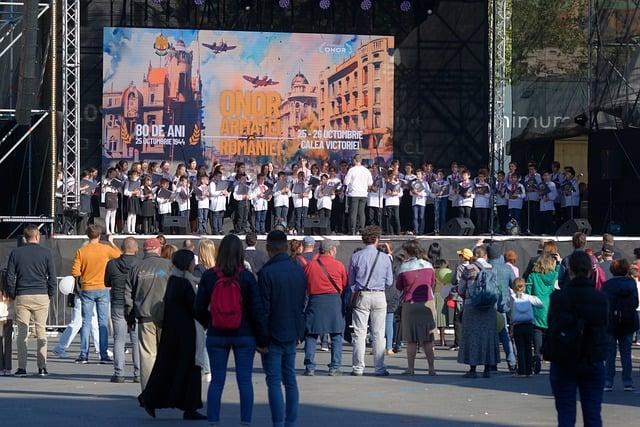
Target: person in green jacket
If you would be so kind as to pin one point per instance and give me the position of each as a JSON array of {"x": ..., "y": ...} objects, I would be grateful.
[{"x": 541, "y": 283}]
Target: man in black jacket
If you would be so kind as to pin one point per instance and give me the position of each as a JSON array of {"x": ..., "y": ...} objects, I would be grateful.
[
  {"x": 31, "y": 281},
  {"x": 577, "y": 344},
  {"x": 283, "y": 288},
  {"x": 115, "y": 277},
  {"x": 144, "y": 294}
]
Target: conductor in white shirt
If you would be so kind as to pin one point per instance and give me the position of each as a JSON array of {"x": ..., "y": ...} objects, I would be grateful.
[{"x": 357, "y": 182}]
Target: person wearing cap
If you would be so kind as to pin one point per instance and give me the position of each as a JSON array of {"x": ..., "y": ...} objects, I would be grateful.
[
  {"x": 283, "y": 287},
  {"x": 607, "y": 240},
  {"x": 144, "y": 294},
  {"x": 89, "y": 266},
  {"x": 308, "y": 254},
  {"x": 505, "y": 277},
  {"x": 326, "y": 280},
  {"x": 370, "y": 273},
  {"x": 464, "y": 258},
  {"x": 606, "y": 255}
]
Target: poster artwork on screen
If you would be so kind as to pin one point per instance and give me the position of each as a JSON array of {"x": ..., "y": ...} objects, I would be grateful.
[{"x": 229, "y": 96}]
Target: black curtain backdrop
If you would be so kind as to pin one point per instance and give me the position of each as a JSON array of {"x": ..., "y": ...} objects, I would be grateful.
[{"x": 625, "y": 190}]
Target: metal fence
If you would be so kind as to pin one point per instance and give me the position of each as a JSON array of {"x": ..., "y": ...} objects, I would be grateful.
[{"x": 59, "y": 313}]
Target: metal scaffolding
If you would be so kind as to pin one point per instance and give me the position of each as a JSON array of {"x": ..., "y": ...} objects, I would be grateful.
[
  {"x": 71, "y": 102},
  {"x": 498, "y": 18}
]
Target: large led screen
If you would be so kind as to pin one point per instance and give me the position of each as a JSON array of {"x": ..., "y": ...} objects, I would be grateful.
[{"x": 256, "y": 97}]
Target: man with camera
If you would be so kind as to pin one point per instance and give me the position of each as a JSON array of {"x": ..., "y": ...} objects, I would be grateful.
[{"x": 370, "y": 273}]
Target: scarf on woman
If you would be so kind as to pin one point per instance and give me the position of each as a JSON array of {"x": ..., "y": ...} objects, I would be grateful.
[{"x": 200, "y": 332}]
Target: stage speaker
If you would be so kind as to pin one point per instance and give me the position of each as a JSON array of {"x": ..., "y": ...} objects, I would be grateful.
[
  {"x": 180, "y": 222},
  {"x": 573, "y": 226},
  {"x": 316, "y": 226},
  {"x": 611, "y": 161},
  {"x": 29, "y": 71},
  {"x": 459, "y": 227}
]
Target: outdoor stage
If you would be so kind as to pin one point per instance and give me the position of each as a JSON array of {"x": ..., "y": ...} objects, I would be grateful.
[{"x": 64, "y": 247}]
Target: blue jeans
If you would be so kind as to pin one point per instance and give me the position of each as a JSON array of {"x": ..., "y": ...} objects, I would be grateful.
[
  {"x": 388, "y": 331},
  {"x": 217, "y": 222},
  {"x": 280, "y": 368},
  {"x": 310, "y": 351},
  {"x": 299, "y": 215},
  {"x": 100, "y": 300},
  {"x": 418, "y": 219},
  {"x": 244, "y": 349},
  {"x": 589, "y": 380},
  {"x": 120, "y": 332},
  {"x": 281, "y": 215},
  {"x": 202, "y": 220},
  {"x": 624, "y": 344},
  {"x": 505, "y": 340},
  {"x": 441, "y": 206},
  {"x": 261, "y": 219}
]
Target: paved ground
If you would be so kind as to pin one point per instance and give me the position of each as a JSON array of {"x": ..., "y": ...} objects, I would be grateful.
[{"x": 81, "y": 395}]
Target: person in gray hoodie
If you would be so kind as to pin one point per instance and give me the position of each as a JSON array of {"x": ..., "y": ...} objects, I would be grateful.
[
  {"x": 115, "y": 278},
  {"x": 144, "y": 297}
]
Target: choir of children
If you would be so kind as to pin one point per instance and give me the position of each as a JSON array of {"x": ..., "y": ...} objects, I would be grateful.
[{"x": 414, "y": 202}]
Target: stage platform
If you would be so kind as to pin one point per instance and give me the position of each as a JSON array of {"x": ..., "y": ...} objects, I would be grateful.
[{"x": 64, "y": 247}]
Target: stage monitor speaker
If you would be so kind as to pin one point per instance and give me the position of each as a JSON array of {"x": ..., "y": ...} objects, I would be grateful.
[
  {"x": 573, "y": 226},
  {"x": 611, "y": 162},
  {"x": 29, "y": 71},
  {"x": 316, "y": 226},
  {"x": 174, "y": 221},
  {"x": 459, "y": 227}
]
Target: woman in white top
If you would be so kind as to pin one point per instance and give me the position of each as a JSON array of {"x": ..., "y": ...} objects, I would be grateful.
[{"x": 522, "y": 325}]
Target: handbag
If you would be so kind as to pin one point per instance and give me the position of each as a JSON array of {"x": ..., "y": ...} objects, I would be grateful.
[{"x": 355, "y": 295}]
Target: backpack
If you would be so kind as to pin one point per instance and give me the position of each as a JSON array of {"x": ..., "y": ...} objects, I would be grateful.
[
  {"x": 485, "y": 290},
  {"x": 622, "y": 315},
  {"x": 226, "y": 302},
  {"x": 564, "y": 340}
]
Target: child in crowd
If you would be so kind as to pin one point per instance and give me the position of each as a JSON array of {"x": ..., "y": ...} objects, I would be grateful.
[
  {"x": 183, "y": 197},
  {"x": 281, "y": 199},
  {"x": 202, "y": 197},
  {"x": 324, "y": 195},
  {"x": 482, "y": 203},
  {"x": 164, "y": 197},
  {"x": 218, "y": 192},
  {"x": 393, "y": 191},
  {"x": 260, "y": 197},
  {"x": 148, "y": 211},
  {"x": 419, "y": 191},
  {"x": 522, "y": 325},
  {"x": 133, "y": 192},
  {"x": 516, "y": 194},
  {"x": 301, "y": 194}
]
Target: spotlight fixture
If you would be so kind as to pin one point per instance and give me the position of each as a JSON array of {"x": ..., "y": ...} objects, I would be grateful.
[
  {"x": 284, "y": 4},
  {"x": 405, "y": 6},
  {"x": 325, "y": 4},
  {"x": 365, "y": 5},
  {"x": 429, "y": 11}
]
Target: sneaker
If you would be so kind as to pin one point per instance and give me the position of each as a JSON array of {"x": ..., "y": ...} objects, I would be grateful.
[
  {"x": 110, "y": 353},
  {"x": 390, "y": 352},
  {"x": 384, "y": 373},
  {"x": 453, "y": 348},
  {"x": 324, "y": 348},
  {"x": 20, "y": 373},
  {"x": 356, "y": 374},
  {"x": 608, "y": 388},
  {"x": 82, "y": 360},
  {"x": 42, "y": 372},
  {"x": 106, "y": 361},
  {"x": 60, "y": 353},
  {"x": 117, "y": 379},
  {"x": 335, "y": 372},
  {"x": 629, "y": 388},
  {"x": 308, "y": 373}
]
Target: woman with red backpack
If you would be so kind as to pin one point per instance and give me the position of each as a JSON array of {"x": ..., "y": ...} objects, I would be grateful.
[{"x": 228, "y": 304}]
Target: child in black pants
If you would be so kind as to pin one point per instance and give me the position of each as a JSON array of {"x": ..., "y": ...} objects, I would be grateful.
[{"x": 522, "y": 325}]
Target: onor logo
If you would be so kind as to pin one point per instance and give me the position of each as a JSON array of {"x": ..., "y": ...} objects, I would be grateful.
[{"x": 334, "y": 49}]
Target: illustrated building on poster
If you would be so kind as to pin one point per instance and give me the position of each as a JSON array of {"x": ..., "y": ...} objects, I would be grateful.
[
  {"x": 300, "y": 105},
  {"x": 169, "y": 95},
  {"x": 355, "y": 93}
]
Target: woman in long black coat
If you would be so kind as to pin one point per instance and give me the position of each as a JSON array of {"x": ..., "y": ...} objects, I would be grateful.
[{"x": 175, "y": 380}]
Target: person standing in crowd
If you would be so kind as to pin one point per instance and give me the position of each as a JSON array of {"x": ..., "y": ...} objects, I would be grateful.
[
  {"x": 570, "y": 195},
  {"x": 505, "y": 277},
  {"x": 511, "y": 258},
  {"x": 357, "y": 182},
  {"x": 522, "y": 325},
  {"x": 255, "y": 257},
  {"x": 283, "y": 286},
  {"x": 392, "y": 193},
  {"x": 206, "y": 257},
  {"x": 579, "y": 243},
  {"x": 31, "y": 282},
  {"x": 606, "y": 256},
  {"x": 370, "y": 273},
  {"x": 250, "y": 333},
  {"x": 416, "y": 279},
  {"x": 541, "y": 283},
  {"x": 146, "y": 287},
  {"x": 326, "y": 280},
  {"x": 622, "y": 295},
  {"x": 190, "y": 246},
  {"x": 465, "y": 256},
  {"x": 479, "y": 343},
  {"x": 441, "y": 292},
  {"x": 392, "y": 295},
  {"x": 577, "y": 310},
  {"x": 308, "y": 251},
  {"x": 89, "y": 266},
  {"x": 175, "y": 380},
  {"x": 607, "y": 240},
  {"x": 115, "y": 278}
]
